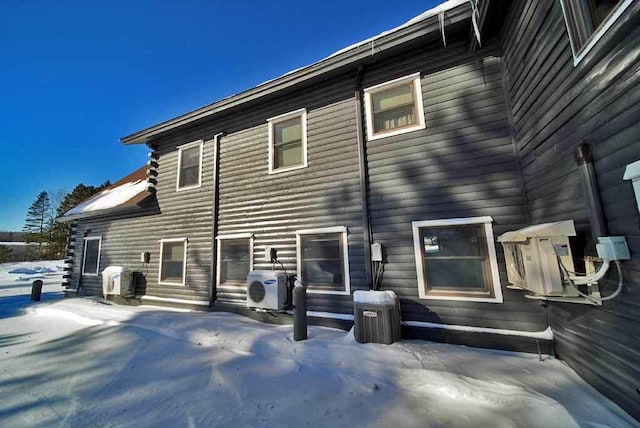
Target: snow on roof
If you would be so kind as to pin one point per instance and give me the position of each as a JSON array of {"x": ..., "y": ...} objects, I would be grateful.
[{"x": 128, "y": 191}]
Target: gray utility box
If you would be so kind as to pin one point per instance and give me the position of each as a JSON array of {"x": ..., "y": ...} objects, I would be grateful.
[{"x": 377, "y": 322}]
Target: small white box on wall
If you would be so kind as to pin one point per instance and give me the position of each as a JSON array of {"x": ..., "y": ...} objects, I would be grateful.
[{"x": 632, "y": 172}]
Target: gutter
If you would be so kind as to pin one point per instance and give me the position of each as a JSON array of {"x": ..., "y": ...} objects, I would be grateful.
[{"x": 361, "y": 53}]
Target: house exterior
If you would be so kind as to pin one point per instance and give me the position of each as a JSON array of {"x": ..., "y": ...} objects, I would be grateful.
[{"x": 431, "y": 136}]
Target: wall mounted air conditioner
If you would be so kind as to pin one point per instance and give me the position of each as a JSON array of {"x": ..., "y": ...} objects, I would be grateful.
[
  {"x": 266, "y": 289},
  {"x": 117, "y": 281},
  {"x": 532, "y": 256}
]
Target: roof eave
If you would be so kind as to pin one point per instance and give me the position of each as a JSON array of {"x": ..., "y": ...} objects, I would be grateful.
[
  {"x": 359, "y": 53},
  {"x": 120, "y": 209}
]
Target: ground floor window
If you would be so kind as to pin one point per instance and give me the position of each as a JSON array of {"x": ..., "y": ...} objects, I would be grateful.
[
  {"x": 323, "y": 260},
  {"x": 235, "y": 259},
  {"x": 91, "y": 255},
  {"x": 456, "y": 259},
  {"x": 173, "y": 261}
]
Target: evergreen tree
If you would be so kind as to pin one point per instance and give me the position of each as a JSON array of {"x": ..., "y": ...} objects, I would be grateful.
[
  {"x": 37, "y": 221},
  {"x": 5, "y": 254}
]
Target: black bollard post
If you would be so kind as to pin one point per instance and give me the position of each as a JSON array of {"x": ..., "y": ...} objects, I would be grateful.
[
  {"x": 36, "y": 290},
  {"x": 299, "y": 313}
]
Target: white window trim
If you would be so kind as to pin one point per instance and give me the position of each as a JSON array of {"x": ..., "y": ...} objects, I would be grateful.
[
  {"x": 417, "y": 87},
  {"x": 345, "y": 257},
  {"x": 597, "y": 34},
  {"x": 302, "y": 113},
  {"x": 491, "y": 251},
  {"x": 180, "y": 149},
  {"x": 184, "y": 264},
  {"x": 221, "y": 238},
  {"x": 84, "y": 254}
]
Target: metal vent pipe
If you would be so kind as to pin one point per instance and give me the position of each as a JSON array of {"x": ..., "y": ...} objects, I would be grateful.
[{"x": 583, "y": 155}]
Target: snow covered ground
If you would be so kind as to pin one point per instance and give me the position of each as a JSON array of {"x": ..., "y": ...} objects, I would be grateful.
[{"x": 80, "y": 362}]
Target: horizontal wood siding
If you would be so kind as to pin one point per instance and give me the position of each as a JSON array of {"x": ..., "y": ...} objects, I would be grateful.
[
  {"x": 556, "y": 105},
  {"x": 184, "y": 214},
  {"x": 461, "y": 165},
  {"x": 274, "y": 206}
]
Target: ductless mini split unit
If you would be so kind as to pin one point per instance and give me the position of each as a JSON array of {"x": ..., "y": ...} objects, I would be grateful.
[
  {"x": 533, "y": 254},
  {"x": 266, "y": 290},
  {"x": 539, "y": 260}
]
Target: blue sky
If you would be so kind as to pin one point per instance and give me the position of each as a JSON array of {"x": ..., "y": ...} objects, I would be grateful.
[{"x": 75, "y": 76}]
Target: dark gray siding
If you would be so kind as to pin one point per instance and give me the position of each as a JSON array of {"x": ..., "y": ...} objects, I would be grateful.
[
  {"x": 554, "y": 106},
  {"x": 461, "y": 165},
  {"x": 184, "y": 214},
  {"x": 325, "y": 194}
]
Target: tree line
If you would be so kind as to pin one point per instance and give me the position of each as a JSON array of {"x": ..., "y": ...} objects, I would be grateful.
[{"x": 46, "y": 238}]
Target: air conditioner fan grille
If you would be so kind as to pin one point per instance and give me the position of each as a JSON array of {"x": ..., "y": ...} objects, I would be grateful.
[{"x": 256, "y": 291}]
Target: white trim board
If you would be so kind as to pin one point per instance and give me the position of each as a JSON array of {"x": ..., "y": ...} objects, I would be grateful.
[
  {"x": 178, "y": 167},
  {"x": 491, "y": 253},
  {"x": 546, "y": 334},
  {"x": 345, "y": 256},
  {"x": 302, "y": 114}
]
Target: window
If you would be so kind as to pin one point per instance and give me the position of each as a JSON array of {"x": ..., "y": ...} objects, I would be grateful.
[
  {"x": 394, "y": 107},
  {"x": 288, "y": 141},
  {"x": 235, "y": 259},
  {"x": 456, "y": 260},
  {"x": 588, "y": 20},
  {"x": 189, "y": 165},
  {"x": 323, "y": 260},
  {"x": 91, "y": 255},
  {"x": 173, "y": 257}
]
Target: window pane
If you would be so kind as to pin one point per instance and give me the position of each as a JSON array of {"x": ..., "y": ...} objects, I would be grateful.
[
  {"x": 455, "y": 258},
  {"x": 322, "y": 263},
  {"x": 288, "y": 155},
  {"x": 287, "y": 143},
  {"x": 456, "y": 274},
  {"x": 172, "y": 262},
  {"x": 288, "y": 131},
  {"x": 234, "y": 260},
  {"x": 91, "y": 256},
  {"x": 189, "y": 167},
  {"x": 393, "y": 108},
  {"x": 454, "y": 241}
]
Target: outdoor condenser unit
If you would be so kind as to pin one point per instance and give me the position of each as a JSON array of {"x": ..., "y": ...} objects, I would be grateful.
[
  {"x": 266, "y": 289},
  {"x": 532, "y": 255},
  {"x": 117, "y": 280},
  {"x": 376, "y": 316}
]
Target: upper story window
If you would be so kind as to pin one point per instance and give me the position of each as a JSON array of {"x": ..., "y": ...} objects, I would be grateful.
[
  {"x": 173, "y": 261},
  {"x": 588, "y": 20},
  {"x": 323, "y": 260},
  {"x": 394, "y": 107},
  {"x": 235, "y": 259},
  {"x": 189, "y": 165},
  {"x": 456, "y": 260},
  {"x": 91, "y": 255},
  {"x": 288, "y": 141}
]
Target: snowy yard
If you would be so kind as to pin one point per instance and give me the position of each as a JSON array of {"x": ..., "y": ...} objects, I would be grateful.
[{"x": 79, "y": 362}]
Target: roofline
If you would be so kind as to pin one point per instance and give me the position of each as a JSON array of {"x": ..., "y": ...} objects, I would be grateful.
[
  {"x": 120, "y": 209},
  {"x": 358, "y": 53}
]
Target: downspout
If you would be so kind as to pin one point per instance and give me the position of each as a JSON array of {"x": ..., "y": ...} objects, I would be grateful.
[
  {"x": 362, "y": 163},
  {"x": 583, "y": 155},
  {"x": 214, "y": 218}
]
